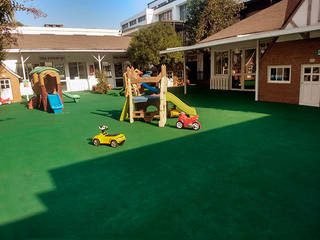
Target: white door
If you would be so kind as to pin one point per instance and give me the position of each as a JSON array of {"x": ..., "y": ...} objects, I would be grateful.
[
  {"x": 5, "y": 89},
  {"x": 310, "y": 85},
  {"x": 220, "y": 77}
]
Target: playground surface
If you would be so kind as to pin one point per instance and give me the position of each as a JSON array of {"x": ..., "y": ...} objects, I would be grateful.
[{"x": 251, "y": 172}]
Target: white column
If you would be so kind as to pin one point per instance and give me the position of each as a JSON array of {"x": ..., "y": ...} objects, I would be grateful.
[
  {"x": 185, "y": 72},
  {"x": 257, "y": 71},
  {"x": 212, "y": 69},
  {"x": 24, "y": 70}
]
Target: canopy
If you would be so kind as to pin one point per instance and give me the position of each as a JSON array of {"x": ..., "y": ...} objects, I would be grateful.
[{"x": 39, "y": 70}]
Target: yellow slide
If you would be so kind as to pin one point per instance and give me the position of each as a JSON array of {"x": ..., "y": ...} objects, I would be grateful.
[{"x": 181, "y": 105}]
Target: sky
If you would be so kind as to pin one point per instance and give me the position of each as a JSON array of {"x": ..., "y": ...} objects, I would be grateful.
[{"x": 83, "y": 13}]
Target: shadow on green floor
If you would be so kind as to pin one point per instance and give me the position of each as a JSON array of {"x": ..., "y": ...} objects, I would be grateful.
[{"x": 216, "y": 184}]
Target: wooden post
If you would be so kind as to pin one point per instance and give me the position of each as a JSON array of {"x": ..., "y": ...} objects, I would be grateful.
[
  {"x": 130, "y": 98},
  {"x": 163, "y": 99},
  {"x": 257, "y": 70},
  {"x": 185, "y": 72}
]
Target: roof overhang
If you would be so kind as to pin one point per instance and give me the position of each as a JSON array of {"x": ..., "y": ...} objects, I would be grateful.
[
  {"x": 64, "y": 51},
  {"x": 243, "y": 38}
]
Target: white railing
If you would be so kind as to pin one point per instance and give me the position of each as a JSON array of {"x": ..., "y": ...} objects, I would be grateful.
[
  {"x": 220, "y": 82},
  {"x": 159, "y": 3}
]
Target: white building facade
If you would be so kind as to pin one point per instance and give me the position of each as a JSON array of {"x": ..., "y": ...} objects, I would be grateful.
[
  {"x": 158, "y": 10},
  {"x": 76, "y": 53}
]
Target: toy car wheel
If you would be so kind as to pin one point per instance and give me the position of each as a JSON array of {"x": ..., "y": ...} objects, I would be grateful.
[
  {"x": 196, "y": 126},
  {"x": 96, "y": 142},
  {"x": 179, "y": 124},
  {"x": 114, "y": 144}
]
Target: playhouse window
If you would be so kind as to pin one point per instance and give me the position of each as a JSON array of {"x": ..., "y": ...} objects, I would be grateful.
[
  {"x": 180, "y": 74},
  {"x": 279, "y": 74},
  {"x": 4, "y": 84}
]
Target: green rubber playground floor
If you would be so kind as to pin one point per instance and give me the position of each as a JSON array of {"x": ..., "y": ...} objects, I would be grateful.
[{"x": 251, "y": 172}]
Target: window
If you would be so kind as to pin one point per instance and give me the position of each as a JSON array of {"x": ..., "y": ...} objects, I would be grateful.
[
  {"x": 141, "y": 19},
  {"x": 60, "y": 67},
  {"x": 279, "y": 74},
  {"x": 125, "y": 26},
  {"x": 180, "y": 74},
  {"x": 4, "y": 84},
  {"x": 78, "y": 70},
  {"x": 170, "y": 74},
  {"x": 183, "y": 12},
  {"x": 221, "y": 63},
  {"x": 133, "y": 22},
  {"x": 166, "y": 16},
  {"x": 311, "y": 74}
]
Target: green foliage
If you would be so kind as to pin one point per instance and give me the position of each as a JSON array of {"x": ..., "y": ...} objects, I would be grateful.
[
  {"x": 206, "y": 17},
  {"x": 103, "y": 85},
  {"x": 7, "y": 20},
  {"x": 145, "y": 46},
  {"x": 217, "y": 15},
  {"x": 195, "y": 9}
]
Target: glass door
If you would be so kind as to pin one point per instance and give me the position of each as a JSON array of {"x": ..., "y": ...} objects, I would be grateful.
[
  {"x": 118, "y": 75},
  {"x": 243, "y": 69},
  {"x": 236, "y": 64}
]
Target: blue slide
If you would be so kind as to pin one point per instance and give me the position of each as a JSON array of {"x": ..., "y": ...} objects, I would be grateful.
[
  {"x": 152, "y": 89},
  {"x": 55, "y": 103}
]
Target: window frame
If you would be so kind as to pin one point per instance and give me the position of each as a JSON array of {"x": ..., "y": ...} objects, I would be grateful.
[
  {"x": 166, "y": 13},
  {"x": 279, "y": 67},
  {"x": 311, "y": 74}
]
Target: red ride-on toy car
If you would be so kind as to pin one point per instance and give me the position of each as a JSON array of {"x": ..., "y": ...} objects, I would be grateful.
[
  {"x": 5, "y": 101},
  {"x": 185, "y": 121}
]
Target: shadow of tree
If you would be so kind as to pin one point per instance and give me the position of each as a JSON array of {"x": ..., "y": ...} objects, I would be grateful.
[{"x": 245, "y": 181}]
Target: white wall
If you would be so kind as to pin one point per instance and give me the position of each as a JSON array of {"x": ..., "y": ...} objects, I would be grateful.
[
  {"x": 300, "y": 17},
  {"x": 72, "y": 84}
]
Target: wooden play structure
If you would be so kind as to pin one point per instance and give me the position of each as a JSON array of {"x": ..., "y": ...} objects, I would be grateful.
[
  {"x": 44, "y": 81},
  {"x": 138, "y": 104}
]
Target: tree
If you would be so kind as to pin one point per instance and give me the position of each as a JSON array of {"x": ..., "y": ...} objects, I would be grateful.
[
  {"x": 7, "y": 20},
  {"x": 217, "y": 15},
  {"x": 206, "y": 17},
  {"x": 195, "y": 9},
  {"x": 145, "y": 46}
]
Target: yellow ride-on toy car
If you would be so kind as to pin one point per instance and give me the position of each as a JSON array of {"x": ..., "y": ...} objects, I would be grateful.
[{"x": 107, "y": 139}]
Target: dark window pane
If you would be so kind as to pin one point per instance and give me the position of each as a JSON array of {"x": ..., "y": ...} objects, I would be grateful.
[
  {"x": 316, "y": 70},
  {"x": 286, "y": 74},
  {"x": 273, "y": 74},
  {"x": 315, "y": 78},
  {"x": 307, "y": 70},
  {"x": 73, "y": 70},
  {"x": 83, "y": 70}
]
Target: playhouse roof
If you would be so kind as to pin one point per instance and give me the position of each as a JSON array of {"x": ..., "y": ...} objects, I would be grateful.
[
  {"x": 269, "y": 19},
  {"x": 9, "y": 70},
  {"x": 39, "y": 70}
]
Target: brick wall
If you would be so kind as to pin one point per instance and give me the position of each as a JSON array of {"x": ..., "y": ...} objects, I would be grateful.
[{"x": 294, "y": 53}]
